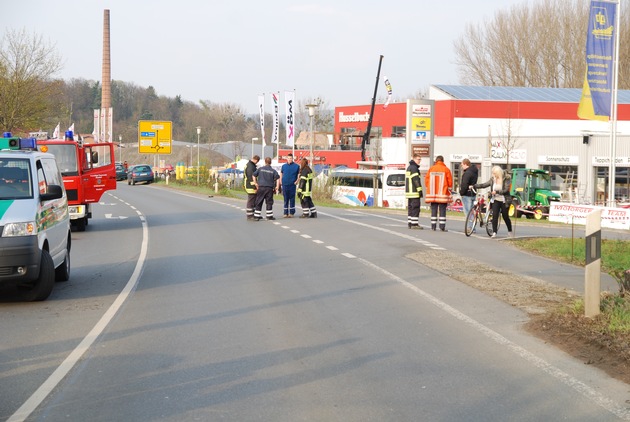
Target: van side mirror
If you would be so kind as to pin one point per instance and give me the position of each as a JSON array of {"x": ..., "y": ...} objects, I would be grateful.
[
  {"x": 94, "y": 157},
  {"x": 53, "y": 192}
]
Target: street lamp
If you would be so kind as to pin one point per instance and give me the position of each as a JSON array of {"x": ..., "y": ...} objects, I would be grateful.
[
  {"x": 311, "y": 114},
  {"x": 253, "y": 139},
  {"x": 198, "y": 133},
  {"x": 120, "y": 149}
]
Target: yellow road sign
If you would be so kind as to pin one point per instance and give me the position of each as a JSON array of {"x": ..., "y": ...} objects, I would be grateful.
[{"x": 154, "y": 137}]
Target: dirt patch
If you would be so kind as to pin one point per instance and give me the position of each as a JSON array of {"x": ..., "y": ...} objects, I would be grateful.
[{"x": 542, "y": 301}]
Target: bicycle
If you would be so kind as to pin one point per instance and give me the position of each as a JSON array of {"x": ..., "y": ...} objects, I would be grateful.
[{"x": 480, "y": 213}]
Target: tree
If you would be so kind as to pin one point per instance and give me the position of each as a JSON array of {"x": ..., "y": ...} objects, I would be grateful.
[
  {"x": 541, "y": 45},
  {"x": 28, "y": 92}
]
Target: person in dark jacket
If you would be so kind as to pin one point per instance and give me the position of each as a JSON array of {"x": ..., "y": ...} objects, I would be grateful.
[
  {"x": 469, "y": 178},
  {"x": 250, "y": 188},
  {"x": 413, "y": 192},
  {"x": 499, "y": 184},
  {"x": 267, "y": 182}
]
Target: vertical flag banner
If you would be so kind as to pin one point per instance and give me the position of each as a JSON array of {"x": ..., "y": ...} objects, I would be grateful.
[
  {"x": 56, "y": 131},
  {"x": 261, "y": 109},
  {"x": 276, "y": 129},
  {"x": 110, "y": 127},
  {"x": 595, "y": 103},
  {"x": 289, "y": 99},
  {"x": 97, "y": 125},
  {"x": 388, "y": 87},
  {"x": 71, "y": 128}
]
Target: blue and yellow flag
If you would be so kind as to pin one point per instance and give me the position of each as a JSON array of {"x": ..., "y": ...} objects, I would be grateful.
[{"x": 595, "y": 103}]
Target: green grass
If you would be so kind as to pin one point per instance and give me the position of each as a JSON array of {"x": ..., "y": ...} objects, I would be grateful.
[
  {"x": 615, "y": 308},
  {"x": 615, "y": 253}
]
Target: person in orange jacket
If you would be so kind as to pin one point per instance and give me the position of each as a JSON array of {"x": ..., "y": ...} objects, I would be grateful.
[{"x": 438, "y": 184}]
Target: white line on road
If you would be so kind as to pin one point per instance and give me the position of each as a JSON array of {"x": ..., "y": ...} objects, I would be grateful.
[
  {"x": 588, "y": 392},
  {"x": 55, "y": 378}
]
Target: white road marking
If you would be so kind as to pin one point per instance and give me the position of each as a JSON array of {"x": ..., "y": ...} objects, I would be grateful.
[
  {"x": 577, "y": 385},
  {"x": 55, "y": 378}
]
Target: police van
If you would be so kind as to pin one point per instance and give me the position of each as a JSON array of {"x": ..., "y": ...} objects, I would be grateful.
[{"x": 34, "y": 219}]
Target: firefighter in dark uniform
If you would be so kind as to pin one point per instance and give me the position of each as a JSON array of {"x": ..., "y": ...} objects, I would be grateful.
[
  {"x": 250, "y": 188},
  {"x": 413, "y": 192},
  {"x": 305, "y": 190},
  {"x": 267, "y": 182}
]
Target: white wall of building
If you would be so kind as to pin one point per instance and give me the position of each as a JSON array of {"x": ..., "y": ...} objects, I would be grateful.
[
  {"x": 535, "y": 127},
  {"x": 534, "y": 152}
]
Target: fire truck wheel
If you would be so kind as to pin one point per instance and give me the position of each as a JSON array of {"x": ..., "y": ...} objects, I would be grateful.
[
  {"x": 40, "y": 289},
  {"x": 62, "y": 273},
  {"x": 81, "y": 223}
]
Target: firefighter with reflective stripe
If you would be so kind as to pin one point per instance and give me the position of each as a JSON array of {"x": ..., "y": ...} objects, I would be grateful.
[
  {"x": 438, "y": 183},
  {"x": 267, "y": 182},
  {"x": 413, "y": 192},
  {"x": 305, "y": 190},
  {"x": 250, "y": 188}
]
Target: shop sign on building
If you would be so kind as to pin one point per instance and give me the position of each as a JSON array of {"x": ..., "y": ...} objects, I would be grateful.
[
  {"x": 419, "y": 130},
  {"x": 559, "y": 160}
]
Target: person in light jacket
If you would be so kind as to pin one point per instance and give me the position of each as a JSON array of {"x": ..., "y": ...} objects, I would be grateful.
[{"x": 499, "y": 184}]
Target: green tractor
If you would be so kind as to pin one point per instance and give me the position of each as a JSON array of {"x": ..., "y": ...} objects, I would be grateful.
[{"x": 531, "y": 193}]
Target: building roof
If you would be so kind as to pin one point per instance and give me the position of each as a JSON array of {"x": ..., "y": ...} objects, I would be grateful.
[{"x": 525, "y": 94}]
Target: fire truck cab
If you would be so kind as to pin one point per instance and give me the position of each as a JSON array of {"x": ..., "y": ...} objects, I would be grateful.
[{"x": 88, "y": 170}]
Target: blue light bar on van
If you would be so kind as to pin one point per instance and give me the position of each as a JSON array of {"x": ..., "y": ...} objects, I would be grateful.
[
  {"x": 15, "y": 142},
  {"x": 28, "y": 143}
]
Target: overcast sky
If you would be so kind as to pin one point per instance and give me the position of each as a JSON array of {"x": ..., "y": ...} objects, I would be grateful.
[{"x": 232, "y": 51}]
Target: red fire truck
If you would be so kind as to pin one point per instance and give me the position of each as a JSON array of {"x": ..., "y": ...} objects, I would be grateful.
[{"x": 88, "y": 170}]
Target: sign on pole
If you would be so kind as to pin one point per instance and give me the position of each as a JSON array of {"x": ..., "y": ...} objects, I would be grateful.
[{"x": 154, "y": 137}]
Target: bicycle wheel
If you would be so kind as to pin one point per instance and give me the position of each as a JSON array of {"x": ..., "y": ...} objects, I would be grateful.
[
  {"x": 489, "y": 222},
  {"x": 471, "y": 221}
]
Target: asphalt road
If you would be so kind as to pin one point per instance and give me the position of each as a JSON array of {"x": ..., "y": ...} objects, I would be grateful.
[{"x": 178, "y": 309}]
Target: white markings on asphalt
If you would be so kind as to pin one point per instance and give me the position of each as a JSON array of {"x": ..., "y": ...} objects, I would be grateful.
[
  {"x": 55, "y": 378},
  {"x": 577, "y": 385},
  {"x": 305, "y": 236}
]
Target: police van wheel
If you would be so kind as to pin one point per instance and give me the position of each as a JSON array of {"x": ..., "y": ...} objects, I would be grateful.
[{"x": 41, "y": 288}]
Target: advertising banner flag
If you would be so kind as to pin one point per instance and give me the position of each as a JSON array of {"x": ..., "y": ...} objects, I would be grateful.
[
  {"x": 276, "y": 122},
  {"x": 261, "y": 109},
  {"x": 388, "y": 87},
  {"x": 595, "y": 103},
  {"x": 289, "y": 99},
  {"x": 56, "y": 131},
  {"x": 97, "y": 125}
]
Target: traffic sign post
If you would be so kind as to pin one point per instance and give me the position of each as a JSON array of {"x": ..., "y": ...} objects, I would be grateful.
[{"x": 154, "y": 137}]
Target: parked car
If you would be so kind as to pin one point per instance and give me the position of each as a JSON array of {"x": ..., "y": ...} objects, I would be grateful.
[
  {"x": 140, "y": 173},
  {"x": 121, "y": 173}
]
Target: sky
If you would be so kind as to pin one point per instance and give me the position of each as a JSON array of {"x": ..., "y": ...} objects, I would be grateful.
[{"x": 234, "y": 51}]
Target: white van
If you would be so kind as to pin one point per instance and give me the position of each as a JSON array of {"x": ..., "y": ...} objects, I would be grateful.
[{"x": 34, "y": 219}]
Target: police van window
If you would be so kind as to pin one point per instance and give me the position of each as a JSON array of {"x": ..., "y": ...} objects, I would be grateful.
[
  {"x": 47, "y": 174},
  {"x": 15, "y": 179},
  {"x": 51, "y": 173}
]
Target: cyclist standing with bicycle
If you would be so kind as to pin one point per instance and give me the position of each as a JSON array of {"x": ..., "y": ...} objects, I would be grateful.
[
  {"x": 469, "y": 178},
  {"x": 499, "y": 184}
]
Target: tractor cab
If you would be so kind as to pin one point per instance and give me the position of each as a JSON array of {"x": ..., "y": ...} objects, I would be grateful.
[{"x": 531, "y": 193}]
